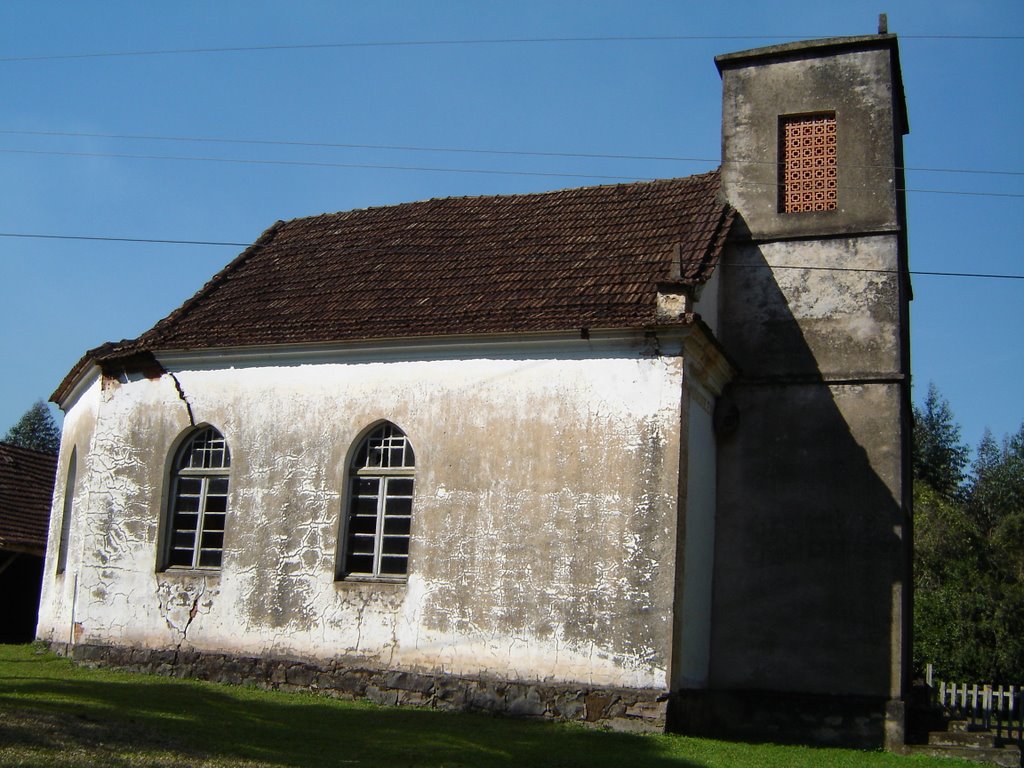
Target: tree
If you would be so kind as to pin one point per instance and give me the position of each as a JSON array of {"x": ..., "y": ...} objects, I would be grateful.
[
  {"x": 35, "y": 430},
  {"x": 995, "y": 502},
  {"x": 951, "y": 588},
  {"x": 996, "y": 490},
  {"x": 939, "y": 457},
  {"x": 968, "y": 551}
]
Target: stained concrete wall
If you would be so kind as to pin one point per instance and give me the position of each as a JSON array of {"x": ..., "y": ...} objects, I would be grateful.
[
  {"x": 694, "y": 585},
  {"x": 858, "y": 80},
  {"x": 544, "y": 524},
  {"x": 811, "y": 544}
]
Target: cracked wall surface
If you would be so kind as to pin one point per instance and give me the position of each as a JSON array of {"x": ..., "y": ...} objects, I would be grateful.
[{"x": 544, "y": 519}]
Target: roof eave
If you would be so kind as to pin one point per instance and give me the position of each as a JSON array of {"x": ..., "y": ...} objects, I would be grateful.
[{"x": 79, "y": 378}]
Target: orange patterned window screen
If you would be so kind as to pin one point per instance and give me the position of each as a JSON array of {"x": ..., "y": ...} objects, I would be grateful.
[{"x": 808, "y": 166}]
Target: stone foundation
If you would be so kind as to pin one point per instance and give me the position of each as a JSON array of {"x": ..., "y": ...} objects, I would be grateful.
[
  {"x": 857, "y": 722},
  {"x": 617, "y": 708}
]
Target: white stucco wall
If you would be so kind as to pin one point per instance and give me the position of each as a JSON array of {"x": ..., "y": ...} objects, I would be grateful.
[{"x": 544, "y": 519}]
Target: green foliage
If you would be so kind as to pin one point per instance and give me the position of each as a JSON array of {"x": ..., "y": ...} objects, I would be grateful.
[
  {"x": 948, "y": 566},
  {"x": 996, "y": 491},
  {"x": 939, "y": 456},
  {"x": 968, "y": 551},
  {"x": 35, "y": 430},
  {"x": 55, "y": 715}
]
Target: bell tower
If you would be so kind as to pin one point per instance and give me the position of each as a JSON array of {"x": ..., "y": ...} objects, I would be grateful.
[{"x": 812, "y": 546}]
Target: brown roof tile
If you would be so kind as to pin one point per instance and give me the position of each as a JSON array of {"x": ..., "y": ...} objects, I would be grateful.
[
  {"x": 26, "y": 489},
  {"x": 589, "y": 257}
]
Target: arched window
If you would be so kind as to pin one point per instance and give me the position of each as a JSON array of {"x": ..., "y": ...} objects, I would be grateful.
[
  {"x": 380, "y": 505},
  {"x": 65, "y": 519},
  {"x": 199, "y": 501}
]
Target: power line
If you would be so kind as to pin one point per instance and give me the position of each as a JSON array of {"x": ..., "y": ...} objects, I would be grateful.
[
  {"x": 459, "y": 150},
  {"x": 322, "y": 164},
  {"x": 431, "y": 169},
  {"x": 872, "y": 270},
  {"x": 840, "y": 188},
  {"x": 337, "y": 145},
  {"x": 479, "y": 41},
  {"x": 121, "y": 239},
  {"x": 968, "y": 274}
]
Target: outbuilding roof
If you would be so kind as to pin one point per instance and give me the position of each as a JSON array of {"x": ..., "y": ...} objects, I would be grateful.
[
  {"x": 26, "y": 490},
  {"x": 590, "y": 257}
]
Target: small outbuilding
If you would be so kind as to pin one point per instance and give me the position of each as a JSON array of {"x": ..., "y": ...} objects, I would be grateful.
[{"x": 26, "y": 489}]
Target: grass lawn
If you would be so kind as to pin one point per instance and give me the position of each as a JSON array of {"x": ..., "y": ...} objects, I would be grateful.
[{"x": 53, "y": 715}]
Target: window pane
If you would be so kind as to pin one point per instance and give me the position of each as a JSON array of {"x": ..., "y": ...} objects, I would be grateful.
[
  {"x": 186, "y": 522},
  {"x": 187, "y": 504},
  {"x": 218, "y": 486},
  {"x": 359, "y": 563},
  {"x": 189, "y": 486},
  {"x": 361, "y": 544},
  {"x": 216, "y": 503},
  {"x": 374, "y": 453},
  {"x": 215, "y": 457},
  {"x": 400, "y": 506},
  {"x": 181, "y": 557},
  {"x": 364, "y": 505},
  {"x": 184, "y": 539},
  {"x": 367, "y": 486},
  {"x": 400, "y": 486},
  {"x": 363, "y": 524},
  {"x": 397, "y": 525},
  {"x": 209, "y": 559},
  {"x": 213, "y": 540},
  {"x": 393, "y": 565},
  {"x": 395, "y": 545},
  {"x": 213, "y": 523}
]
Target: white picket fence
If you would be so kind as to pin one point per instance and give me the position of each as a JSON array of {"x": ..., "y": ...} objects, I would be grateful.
[{"x": 998, "y": 708}]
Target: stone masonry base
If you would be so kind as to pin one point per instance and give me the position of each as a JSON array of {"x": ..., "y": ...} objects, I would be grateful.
[
  {"x": 626, "y": 709},
  {"x": 859, "y": 722}
]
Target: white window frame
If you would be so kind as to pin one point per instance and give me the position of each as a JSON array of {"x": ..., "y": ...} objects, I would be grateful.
[
  {"x": 204, "y": 457},
  {"x": 386, "y": 457}
]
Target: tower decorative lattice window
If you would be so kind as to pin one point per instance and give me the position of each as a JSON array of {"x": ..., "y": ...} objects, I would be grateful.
[{"x": 808, "y": 167}]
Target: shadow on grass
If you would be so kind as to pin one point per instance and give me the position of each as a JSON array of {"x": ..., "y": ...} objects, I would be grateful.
[{"x": 209, "y": 721}]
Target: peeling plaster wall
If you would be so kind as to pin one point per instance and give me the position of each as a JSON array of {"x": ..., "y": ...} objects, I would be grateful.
[
  {"x": 58, "y": 596},
  {"x": 544, "y": 522}
]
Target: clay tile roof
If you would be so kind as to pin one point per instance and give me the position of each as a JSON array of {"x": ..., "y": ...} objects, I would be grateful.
[
  {"x": 590, "y": 257},
  {"x": 26, "y": 489}
]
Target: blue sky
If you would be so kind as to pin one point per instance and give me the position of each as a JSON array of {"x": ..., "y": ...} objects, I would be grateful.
[{"x": 636, "y": 98}]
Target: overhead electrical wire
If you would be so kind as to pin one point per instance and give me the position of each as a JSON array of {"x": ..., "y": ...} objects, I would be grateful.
[
  {"x": 430, "y": 169},
  {"x": 161, "y": 241},
  {"x": 321, "y": 164},
  {"x": 106, "y": 239},
  {"x": 456, "y": 150},
  {"x": 477, "y": 41}
]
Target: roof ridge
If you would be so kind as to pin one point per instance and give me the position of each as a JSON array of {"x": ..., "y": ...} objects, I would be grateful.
[{"x": 693, "y": 178}]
